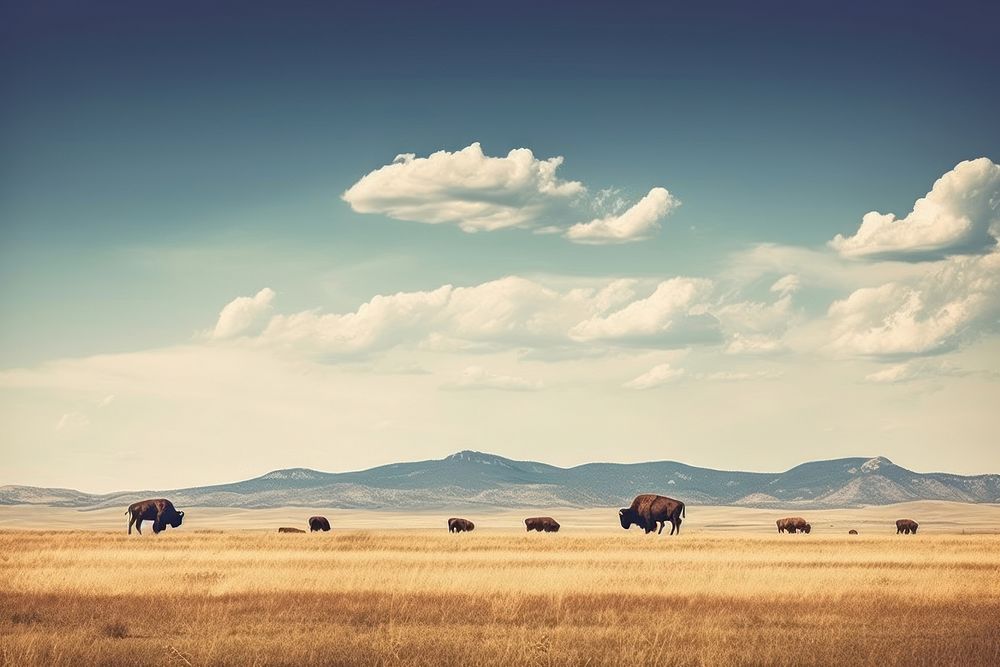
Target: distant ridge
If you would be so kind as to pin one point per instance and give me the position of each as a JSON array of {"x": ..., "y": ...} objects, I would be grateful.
[{"x": 478, "y": 479}]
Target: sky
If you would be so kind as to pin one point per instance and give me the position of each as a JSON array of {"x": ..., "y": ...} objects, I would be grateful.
[{"x": 236, "y": 238}]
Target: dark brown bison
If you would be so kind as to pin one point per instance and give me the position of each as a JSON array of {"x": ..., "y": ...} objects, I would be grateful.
[
  {"x": 286, "y": 529},
  {"x": 159, "y": 510},
  {"x": 456, "y": 525},
  {"x": 649, "y": 509},
  {"x": 793, "y": 524},
  {"x": 542, "y": 524},
  {"x": 906, "y": 526},
  {"x": 318, "y": 523},
  {"x": 852, "y": 532}
]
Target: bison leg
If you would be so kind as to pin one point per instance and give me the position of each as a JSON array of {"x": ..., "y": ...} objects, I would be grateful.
[
  {"x": 675, "y": 525},
  {"x": 131, "y": 522},
  {"x": 138, "y": 525}
]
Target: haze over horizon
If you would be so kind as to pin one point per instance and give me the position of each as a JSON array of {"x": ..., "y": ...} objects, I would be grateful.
[{"x": 740, "y": 238}]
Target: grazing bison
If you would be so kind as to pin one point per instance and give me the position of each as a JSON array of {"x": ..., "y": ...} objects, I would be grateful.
[
  {"x": 852, "y": 532},
  {"x": 542, "y": 524},
  {"x": 793, "y": 524},
  {"x": 456, "y": 525},
  {"x": 160, "y": 511},
  {"x": 318, "y": 523},
  {"x": 906, "y": 526},
  {"x": 286, "y": 529},
  {"x": 649, "y": 509}
]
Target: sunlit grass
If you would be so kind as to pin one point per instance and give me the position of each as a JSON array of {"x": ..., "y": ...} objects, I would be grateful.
[{"x": 418, "y": 597}]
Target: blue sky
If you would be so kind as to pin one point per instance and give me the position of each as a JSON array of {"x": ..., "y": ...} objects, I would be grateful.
[{"x": 158, "y": 163}]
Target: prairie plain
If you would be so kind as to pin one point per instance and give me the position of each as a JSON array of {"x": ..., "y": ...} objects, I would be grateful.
[{"x": 595, "y": 596}]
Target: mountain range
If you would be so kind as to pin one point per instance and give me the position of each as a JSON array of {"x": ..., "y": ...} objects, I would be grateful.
[{"x": 475, "y": 479}]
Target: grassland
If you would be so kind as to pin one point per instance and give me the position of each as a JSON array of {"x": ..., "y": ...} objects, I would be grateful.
[
  {"x": 416, "y": 597},
  {"x": 935, "y": 517}
]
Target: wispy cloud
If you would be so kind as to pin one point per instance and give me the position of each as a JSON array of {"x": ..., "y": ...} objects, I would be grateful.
[
  {"x": 476, "y": 377},
  {"x": 635, "y": 224},
  {"x": 72, "y": 421},
  {"x": 657, "y": 376}
]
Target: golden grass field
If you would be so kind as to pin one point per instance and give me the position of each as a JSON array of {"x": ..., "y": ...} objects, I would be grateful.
[{"x": 498, "y": 596}]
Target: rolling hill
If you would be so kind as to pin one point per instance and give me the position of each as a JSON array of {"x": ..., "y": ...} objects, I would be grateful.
[{"x": 475, "y": 479}]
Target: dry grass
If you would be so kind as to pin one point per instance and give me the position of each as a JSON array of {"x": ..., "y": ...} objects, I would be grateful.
[
  {"x": 934, "y": 516},
  {"x": 500, "y": 597}
]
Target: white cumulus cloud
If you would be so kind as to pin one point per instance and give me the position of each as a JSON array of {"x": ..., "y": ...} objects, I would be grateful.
[
  {"x": 675, "y": 313},
  {"x": 505, "y": 313},
  {"x": 244, "y": 315},
  {"x": 635, "y": 224},
  {"x": 955, "y": 300},
  {"x": 960, "y": 215},
  {"x": 467, "y": 188},
  {"x": 478, "y": 192}
]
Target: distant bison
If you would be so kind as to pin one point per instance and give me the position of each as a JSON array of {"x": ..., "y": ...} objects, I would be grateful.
[
  {"x": 456, "y": 525},
  {"x": 318, "y": 523},
  {"x": 159, "y": 510},
  {"x": 793, "y": 524},
  {"x": 286, "y": 529},
  {"x": 649, "y": 509},
  {"x": 542, "y": 524},
  {"x": 852, "y": 532},
  {"x": 906, "y": 526}
]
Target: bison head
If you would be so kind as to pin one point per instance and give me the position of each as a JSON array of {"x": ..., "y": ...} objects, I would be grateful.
[
  {"x": 806, "y": 528},
  {"x": 627, "y": 516}
]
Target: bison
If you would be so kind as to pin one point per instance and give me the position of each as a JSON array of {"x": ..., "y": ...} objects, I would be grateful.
[
  {"x": 793, "y": 524},
  {"x": 286, "y": 529},
  {"x": 159, "y": 510},
  {"x": 542, "y": 524},
  {"x": 852, "y": 532},
  {"x": 456, "y": 525},
  {"x": 648, "y": 509},
  {"x": 906, "y": 526},
  {"x": 318, "y": 523}
]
